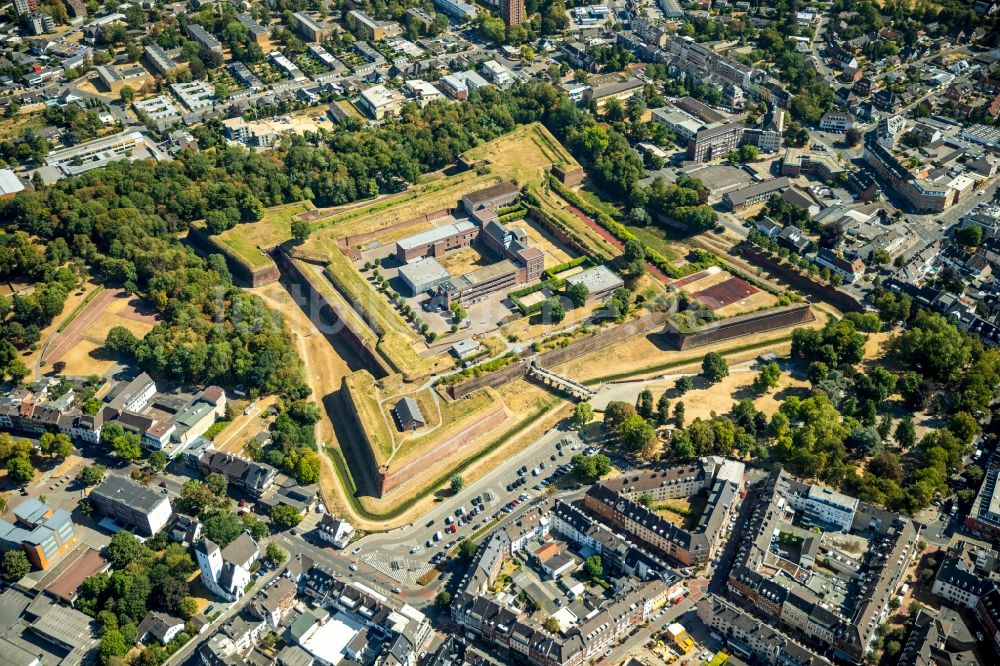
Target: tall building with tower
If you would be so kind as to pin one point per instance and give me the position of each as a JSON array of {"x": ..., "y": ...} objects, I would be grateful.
[{"x": 512, "y": 12}]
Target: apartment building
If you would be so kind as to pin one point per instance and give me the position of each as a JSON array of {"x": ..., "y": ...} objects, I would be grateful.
[
  {"x": 616, "y": 502},
  {"x": 749, "y": 638},
  {"x": 850, "y": 271},
  {"x": 242, "y": 473},
  {"x": 623, "y": 90},
  {"x": 824, "y": 507},
  {"x": 923, "y": 196},
  {"x": 259, "y": 33},
  {"x": 456, "y": 9},
  {"x": 310, "y": 28},
  {"x": 226, "y": 571},
  {"x": 366, "y": 27},
  {"x": 132, "y": 505},
  {"x": 157, "y": 60},
  {"x": 714, "y": 142},
  {"x": 204, "y": 38},
  {"x": 512, "y": 12},
  {"x": 378, "y": 102},
  {"x": 757, "y": 579}
]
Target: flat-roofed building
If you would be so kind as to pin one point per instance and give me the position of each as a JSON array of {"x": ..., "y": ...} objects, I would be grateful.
[
  {"x": 714, "y": 142},
  {"x": 456, "y": 9},
  {"x": 159, "y": 110},
  {"x": 495, "y": 196},
  {"x": 479, "y": 283},
  {"x": 131, "y": 504},
  {"x": 600, "y": 282},
  {"x": 681, "y": 123},
  {"x": 95, "y": 153},
  {"x": 423, "y": 275},
  {"x": 378, "y": 102}
]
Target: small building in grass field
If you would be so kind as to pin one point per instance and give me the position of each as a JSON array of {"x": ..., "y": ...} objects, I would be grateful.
[
  {"x": 600, "y": 282},
  {"x": 408, "y": 415}
]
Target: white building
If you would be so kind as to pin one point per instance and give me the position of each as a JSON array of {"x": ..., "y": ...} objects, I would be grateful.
[
  {"x": 825, "y": 506},
  {"x": 226, "y": 571},
  {"x": 836, "y": 121},
  {"x": 497, "y": 73},
  {"x": 335, "y": 531}
]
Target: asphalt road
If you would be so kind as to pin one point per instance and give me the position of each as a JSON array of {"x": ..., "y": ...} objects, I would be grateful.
[{"x": 414, "y": 537}]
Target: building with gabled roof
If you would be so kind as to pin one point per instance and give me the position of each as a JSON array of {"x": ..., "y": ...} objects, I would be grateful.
[{"x": 226, "y": 571}]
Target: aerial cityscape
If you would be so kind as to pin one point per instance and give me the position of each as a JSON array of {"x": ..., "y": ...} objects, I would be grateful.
[{"x": 508, "y": 332}]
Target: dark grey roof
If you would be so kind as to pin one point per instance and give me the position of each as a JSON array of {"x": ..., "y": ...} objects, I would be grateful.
[
  {"x": 408, "y": 410},
  {"x": 122, "y": 490}
]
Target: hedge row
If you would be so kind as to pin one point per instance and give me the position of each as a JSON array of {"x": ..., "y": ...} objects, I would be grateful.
[
  {"x": 705, "y": 259},
  {"x": 551, "y": 273}
]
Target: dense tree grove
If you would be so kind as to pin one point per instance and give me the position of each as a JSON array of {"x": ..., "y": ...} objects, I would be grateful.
[{"x": 148, "y": 576}]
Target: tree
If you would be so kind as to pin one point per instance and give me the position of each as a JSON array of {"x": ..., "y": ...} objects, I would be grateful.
[
  {"x": 853, "y": 136},
  {"x": 684, "y": 384},
  {"x": 120, "y": 340},
  {"x": 634, "y": 259},
  {"x": 300, "y": 230},
  {"x": 767, "y": 379},
  {"x": 679, "y": 414},
  {"x": 443, "y": 599},
  {"x": 217, "y": 483},
  {"x": 223, "y": 527},
  {"x": 196, "y": 497},
  {"x": 285, "y": 517},
  {"x": 553, "y": 311},
  {"x": 56, "y": 445},
  {"x": 158, "y": 460},
  {"x": 583, "y": 414},
  {"x": 20, "y": 470},
  {"x": 577, "y": 294},
  {"x": 645, "y": 499},
  {"x": 274, "y": 554},
  {"x": 127, "y": 94},
  {"x": 644, "y": 405},
  {"x": 663, "y": 409},
  {"x": 112, "y": 645},
  {"x": 552, "y": 625},
  {"x": 15, "y": 565},
  {"x": 964, "y": 427},
  {"x": 714, "y": 367},
  {"x": 636, "y": 433},
  {"x": 457, "y": 483},
  {"x": 187, "y": 608},
  {"x": 467, "y": 550},
  {"x": 593, "y": 566},
  {"x": 970, "y": 236},
  {"x": 127, "y": 445},
  {"x": 124, "y": 549},
  {"x": 257, "y": 528},
  {"x": 615, "y": 414}
]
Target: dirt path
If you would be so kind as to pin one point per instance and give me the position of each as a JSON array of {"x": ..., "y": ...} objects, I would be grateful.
[{"x": 325, "y": 371}]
